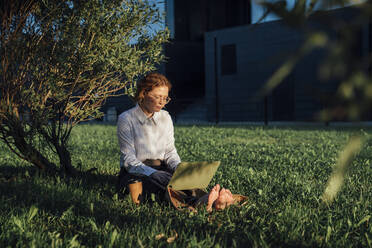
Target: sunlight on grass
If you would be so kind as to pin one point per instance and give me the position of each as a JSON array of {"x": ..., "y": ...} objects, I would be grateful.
[{"x": 283, "y": 171}]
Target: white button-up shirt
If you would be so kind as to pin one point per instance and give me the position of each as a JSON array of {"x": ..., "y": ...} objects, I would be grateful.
[{"x": 142, "y": 138}]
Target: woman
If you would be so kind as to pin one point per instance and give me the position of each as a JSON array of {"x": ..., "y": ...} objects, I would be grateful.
[
  {"x": 145, "y": 134},
  {"x": 146, "y": 141}
]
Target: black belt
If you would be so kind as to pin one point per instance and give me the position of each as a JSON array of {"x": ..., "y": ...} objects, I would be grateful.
[{"x": 154, "y": 162}]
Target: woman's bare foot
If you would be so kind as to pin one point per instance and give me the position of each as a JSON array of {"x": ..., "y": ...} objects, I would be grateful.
[
  {"x": 229, "y": 192},
  {"x": 212, "y": 197},
  {"x": 224, "y": 199}
]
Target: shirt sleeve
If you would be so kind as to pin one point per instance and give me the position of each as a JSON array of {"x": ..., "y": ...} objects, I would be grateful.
[
  {"x": 171, "y": 157},
  {"x": 128, "y": 157}
]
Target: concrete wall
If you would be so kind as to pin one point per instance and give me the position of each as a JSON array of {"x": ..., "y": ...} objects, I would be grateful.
[{"x": 259, "y": 50}]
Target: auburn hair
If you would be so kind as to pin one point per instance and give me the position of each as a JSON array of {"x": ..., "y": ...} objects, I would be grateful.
[{"x": 149, "y": 82}]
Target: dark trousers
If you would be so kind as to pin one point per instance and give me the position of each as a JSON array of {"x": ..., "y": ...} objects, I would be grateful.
[{"x": 148, "y": 185}]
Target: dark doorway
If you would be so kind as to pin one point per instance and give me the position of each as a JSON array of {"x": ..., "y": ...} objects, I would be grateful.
[{"x": 283, "y": 101}]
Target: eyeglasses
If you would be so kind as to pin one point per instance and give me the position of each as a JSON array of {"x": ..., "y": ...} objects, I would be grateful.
[{"x": 165, "y": 99}]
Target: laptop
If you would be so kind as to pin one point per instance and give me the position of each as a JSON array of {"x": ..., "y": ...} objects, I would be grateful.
[{"x": 193, "y": 175}]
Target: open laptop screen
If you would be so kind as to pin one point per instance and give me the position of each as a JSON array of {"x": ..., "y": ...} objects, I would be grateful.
[{"x": 193, "y": 175}]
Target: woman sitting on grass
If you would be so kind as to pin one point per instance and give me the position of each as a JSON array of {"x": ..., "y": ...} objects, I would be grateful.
[{"x": 146, "y": 139}]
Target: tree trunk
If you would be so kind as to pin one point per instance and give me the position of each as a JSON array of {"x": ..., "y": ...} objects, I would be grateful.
[
  {"x": 32, "y": 155},
  {"x": 40, "y": 161},
  {"x": 65, "y": 159}
]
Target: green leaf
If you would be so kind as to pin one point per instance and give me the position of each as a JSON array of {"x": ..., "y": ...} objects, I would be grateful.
[
  {"x": 113, "y": 237},
  {"x": 18, "y": 223},
  {"x": 368, "y": 240},
  {"x": 107, "y": 225},
  {"x": 92, "y": 207},
  {"x": 94, "y": 226},
  {"x": 365, "y": 219},
  {"x": 32, "y": 213},
  {"x": 74, "y": 242},
  {"x": 329, "y": 232}
]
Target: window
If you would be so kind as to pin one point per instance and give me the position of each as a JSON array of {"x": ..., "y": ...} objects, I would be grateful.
[{"x": 228, "y": 59}]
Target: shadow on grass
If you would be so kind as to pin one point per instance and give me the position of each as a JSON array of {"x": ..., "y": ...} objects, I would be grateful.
[
  {"x": 68, "y": 201},
  {"x": 75, "y": 201},
  {"x": 23, "y": 187}
]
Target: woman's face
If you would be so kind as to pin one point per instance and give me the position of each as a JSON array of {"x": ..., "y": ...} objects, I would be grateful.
[{"x": 155, "y": 100}]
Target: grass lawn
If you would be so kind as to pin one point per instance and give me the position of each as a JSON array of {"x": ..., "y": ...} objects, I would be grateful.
[{"x": 283, "y": 171}]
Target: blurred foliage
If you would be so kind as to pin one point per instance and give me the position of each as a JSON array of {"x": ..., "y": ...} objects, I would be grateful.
[
  {"x": 345, "y": 63},
  {"x": 60, "y": 61},
  {"x": 339, "y": 38},
  {"x": 337, "y": 178}
]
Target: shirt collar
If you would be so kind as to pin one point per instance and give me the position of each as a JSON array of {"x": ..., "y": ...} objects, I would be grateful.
[{"x": 143, "y": 118}]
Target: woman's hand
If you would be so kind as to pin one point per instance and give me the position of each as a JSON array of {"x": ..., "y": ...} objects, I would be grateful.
[
  {"x": 160, "y": 178},
  {"x": 172, "y": 169}
]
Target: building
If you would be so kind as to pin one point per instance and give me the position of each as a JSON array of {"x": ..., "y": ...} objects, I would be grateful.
[
  {"x": 188, "y": 22},
  {"x": 219, "y": 60}
]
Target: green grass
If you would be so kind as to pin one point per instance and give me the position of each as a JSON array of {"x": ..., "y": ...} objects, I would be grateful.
[{"x": 283, "y": 171}]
